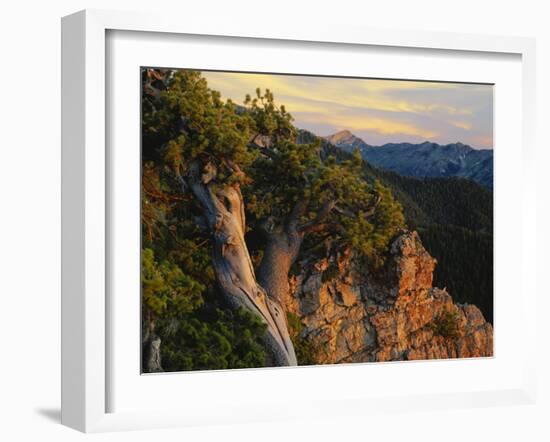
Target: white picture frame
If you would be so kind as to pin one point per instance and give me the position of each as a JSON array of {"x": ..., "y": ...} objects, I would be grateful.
[{"x": 85, "y": 310}]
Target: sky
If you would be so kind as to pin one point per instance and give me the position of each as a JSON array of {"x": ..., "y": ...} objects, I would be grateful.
[{"x": 378, "y": 111}]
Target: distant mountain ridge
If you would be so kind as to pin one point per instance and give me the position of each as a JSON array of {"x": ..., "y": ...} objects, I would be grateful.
[
  {"x": 423, "y": 160},
  {"x": 454, "y": 217}
]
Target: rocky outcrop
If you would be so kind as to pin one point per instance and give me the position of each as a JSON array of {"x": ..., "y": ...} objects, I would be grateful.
[{"x": 349, "y": 316}]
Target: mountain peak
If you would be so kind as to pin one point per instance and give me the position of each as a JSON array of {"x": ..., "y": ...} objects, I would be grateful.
[
  {"x": 345, "y": 138},
  {"x": 339, "y": 136},
  {"x": 344, "y": 133}
]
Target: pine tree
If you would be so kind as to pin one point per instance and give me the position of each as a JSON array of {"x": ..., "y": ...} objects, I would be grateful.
[{"x": 216, "y": 174}]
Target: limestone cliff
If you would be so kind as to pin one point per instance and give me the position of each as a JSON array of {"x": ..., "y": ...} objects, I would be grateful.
[{"x": 350, "y": 316}]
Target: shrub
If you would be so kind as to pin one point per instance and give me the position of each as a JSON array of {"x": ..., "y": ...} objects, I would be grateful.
[
  {"x": 446, "y": 325},
  {"x": 305, "y": 350}
]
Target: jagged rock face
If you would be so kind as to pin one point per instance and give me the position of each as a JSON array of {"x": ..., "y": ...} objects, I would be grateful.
[
  {"x": 332, "y": 310},
  {"x": 352, "y": 317}
]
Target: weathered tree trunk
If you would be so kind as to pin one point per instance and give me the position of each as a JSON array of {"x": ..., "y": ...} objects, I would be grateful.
[
  {"x": 223, "y": 210},
  {"x": 151, "y": 355},
  {"x": 280, "y": 253},
  {"x": 283, "y": 246},
  {"x": 150, "y": 346}
]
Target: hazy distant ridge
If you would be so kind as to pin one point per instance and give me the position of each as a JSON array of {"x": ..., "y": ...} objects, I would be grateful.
[{"x": 423, "y": 160}]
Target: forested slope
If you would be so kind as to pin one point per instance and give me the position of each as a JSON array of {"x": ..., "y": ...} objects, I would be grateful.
[{"x": 454, "y": 217}]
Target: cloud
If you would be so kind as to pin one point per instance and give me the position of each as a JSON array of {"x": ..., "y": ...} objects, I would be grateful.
[
  {"x": 388, "y": 110},
  {"x": 383, "y": 126},
  {"x": 462, "y": 124}
]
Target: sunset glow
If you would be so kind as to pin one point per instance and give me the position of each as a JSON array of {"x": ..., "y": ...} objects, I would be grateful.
[{"x": 378, "y": 111}]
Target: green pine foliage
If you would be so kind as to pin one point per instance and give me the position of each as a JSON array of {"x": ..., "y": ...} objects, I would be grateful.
[
  {"x": 293, "y": 165},
  {"x": 212, "y": 338},
  {"x": 189, "y": 120},
  {"x": 305, "y": 350},
  {"x": 303, "y": 175},
  {"x": 454, "y": 217},
  {"x": 179, "y": 299},
  {"x": 371, "y": 237},
  {"x": 257, "y": 147},
  {"x": 165, "y": 289}
]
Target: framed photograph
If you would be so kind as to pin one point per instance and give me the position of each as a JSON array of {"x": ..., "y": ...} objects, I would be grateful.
[{"x": 263, "y": 224}]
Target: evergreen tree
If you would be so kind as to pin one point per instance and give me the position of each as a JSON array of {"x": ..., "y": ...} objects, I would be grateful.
[{"x": 217, "y": 177}]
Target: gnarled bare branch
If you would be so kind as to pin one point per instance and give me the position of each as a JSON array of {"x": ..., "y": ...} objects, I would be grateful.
[
  {"x": 367, "y": 213},
  {"x": 299, "y": 210},
  {"x": 321, "y": 216}
]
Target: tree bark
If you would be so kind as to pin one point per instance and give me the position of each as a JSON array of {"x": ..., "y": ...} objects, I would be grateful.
[
  {"x": 150, "y": 346},
  {"x": 223, "y": 209},
  {"x": 280, "y": 253},
  {"x": 151, "y": 355},
  {"x": 283, "y": 246}
]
